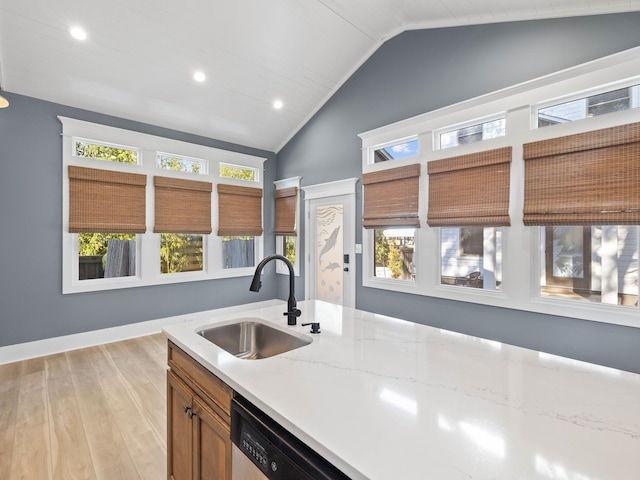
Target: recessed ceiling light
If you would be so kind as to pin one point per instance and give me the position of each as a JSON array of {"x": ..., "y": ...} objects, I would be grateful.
[
  {"x": 4, "y": 103},
  {"x": 78, "y": 33},
  {"x": 277, "y": 104},
  {"x": 199, "y": 77}
]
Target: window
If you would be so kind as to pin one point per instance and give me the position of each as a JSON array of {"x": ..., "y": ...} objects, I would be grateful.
[
  {"x": 608, "y": 101},
  {"x": 134, "y": 215},
  {"x": 471, "y": 257},
  {"x": 391, "y": 204},
  {"x": 596, "y": 264},
  {"x": 181, "y": 164},
  {"x": 238, "y": 252},
  {"x": 473, "y": 133},
  {"x": 239, "y": 221},
  {"x": 180, "y": 252},
  {"x": 238, "y": 172},
  {"x": 104, "y": 151},
  {"x": 394, "y": 250},
  {"x": 286, "y": 222},
  {"x": 396, "y": 151},
  {"x": 543, "y": 223},
  {"x": 287, "y": 247},
  {"x": 106, "y": 255},
  {"x": 573, "y": 185}
]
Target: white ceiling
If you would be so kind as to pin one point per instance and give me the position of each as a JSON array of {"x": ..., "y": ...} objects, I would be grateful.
[{"x": 140, "y": 55}]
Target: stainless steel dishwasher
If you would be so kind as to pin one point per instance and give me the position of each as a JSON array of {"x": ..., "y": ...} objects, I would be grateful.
[{"x": 262, "y": 449}]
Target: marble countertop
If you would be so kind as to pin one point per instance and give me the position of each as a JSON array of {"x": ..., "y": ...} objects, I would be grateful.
[{"x": 383, "y": 398}]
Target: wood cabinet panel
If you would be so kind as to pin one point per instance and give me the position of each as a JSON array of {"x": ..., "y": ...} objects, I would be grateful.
[
  {"x": 213, "y": 390},
  {"x": 213, "y": 439},
  {"x": 179, "y": 430},
  {"x": 198, "y": 421}
]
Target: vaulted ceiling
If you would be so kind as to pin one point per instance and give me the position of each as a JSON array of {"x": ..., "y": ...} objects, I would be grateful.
[{"x": 139, "y": 58}]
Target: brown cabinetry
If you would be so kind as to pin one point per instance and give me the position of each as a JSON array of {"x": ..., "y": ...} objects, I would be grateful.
[{"x": 198, "y": 417}]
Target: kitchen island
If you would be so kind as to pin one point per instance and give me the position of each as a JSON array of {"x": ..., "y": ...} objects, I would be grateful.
[{"x": 383, "y": 398}]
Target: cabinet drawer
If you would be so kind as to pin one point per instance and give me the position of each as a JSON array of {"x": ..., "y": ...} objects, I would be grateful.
[{"x": 209, "y": 387}]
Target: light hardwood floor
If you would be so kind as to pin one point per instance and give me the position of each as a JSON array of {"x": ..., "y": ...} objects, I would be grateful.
[{"x": 95, "y": 413}]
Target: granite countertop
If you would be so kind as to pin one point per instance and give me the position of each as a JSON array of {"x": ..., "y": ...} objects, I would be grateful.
[{"x": 383, "y": 398}]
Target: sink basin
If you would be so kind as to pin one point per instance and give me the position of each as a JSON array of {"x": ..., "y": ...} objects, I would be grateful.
[{"x": 253, "y": 340}]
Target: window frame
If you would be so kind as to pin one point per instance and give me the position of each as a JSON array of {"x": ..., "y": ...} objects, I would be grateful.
[
  {"x": 148, "y": 243},
  {"x": 521, "y": 252}
]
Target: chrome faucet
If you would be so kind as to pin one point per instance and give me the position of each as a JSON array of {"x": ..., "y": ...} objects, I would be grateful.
[{"x": 292, "y": 312}]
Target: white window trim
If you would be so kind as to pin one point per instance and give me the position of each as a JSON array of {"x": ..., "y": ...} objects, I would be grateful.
[
  {"x": 520, "y": 244},
  {"x": 280, "y": 266},
  {"x": 148, "y": 246}
]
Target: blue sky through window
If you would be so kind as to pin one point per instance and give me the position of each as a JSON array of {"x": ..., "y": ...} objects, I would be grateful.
[{"x": 399, "y": 150}]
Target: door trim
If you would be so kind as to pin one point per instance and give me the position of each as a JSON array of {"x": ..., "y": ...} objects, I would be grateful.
[{"x": 346, "y": 187}]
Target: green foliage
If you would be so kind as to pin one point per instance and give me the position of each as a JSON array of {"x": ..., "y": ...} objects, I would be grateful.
[
  {"x": 290, "y": 249},
  {"x": 91, "y": 244},
  {"x": 381, "y": 248},
  {"x": 178, "y": 164},
  {"x": 395, "y": 262},
  {"x": 180, "y": 252},
  {"x": 239, "y": 173},
  {"x": 104, "y": 152}
]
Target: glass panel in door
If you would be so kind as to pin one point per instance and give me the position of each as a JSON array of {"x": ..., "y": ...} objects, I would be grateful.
[{"x": 330, "y": 250}]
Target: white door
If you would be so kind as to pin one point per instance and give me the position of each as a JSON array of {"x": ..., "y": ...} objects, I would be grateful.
[{"x": 330, "y": 242}]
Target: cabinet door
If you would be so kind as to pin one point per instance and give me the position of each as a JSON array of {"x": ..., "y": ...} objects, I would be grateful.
[
  {"x": 179, "y": 429},
  {"x": 211, "y": 443}
]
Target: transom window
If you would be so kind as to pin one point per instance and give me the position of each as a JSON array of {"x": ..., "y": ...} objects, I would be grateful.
[
  {"x": 608, "y": 101},
  {"x": 104, "y": 151},
  {"x": 181, "y": 164},
  {"x": 473, "y": 133},
  {"x": 395, "y": 151},
  {"x": 238, "y": 172}
]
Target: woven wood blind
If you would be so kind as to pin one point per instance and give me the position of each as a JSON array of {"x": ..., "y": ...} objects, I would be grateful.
[
  {"x": 591, "y": 178},
  {"x": 240, "y": 210},
  {"x": 286, "y": 203},
  {"x": 182, "y": 206},
  {"x": 470, "y": 190},
  {"x": 103, "y": 201},
  {"x": 391, "y": 197}
]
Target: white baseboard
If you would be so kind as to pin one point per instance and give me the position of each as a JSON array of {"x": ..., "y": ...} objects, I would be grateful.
[{"x": 49, "y": 346}]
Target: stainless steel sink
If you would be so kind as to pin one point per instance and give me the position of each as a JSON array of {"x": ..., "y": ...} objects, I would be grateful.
[{"x": 253, "y": 340}]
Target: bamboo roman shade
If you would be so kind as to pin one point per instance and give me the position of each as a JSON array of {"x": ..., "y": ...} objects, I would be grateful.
[
  {"x": 391, "y": 197},
  {"x": 286, "y": 203},
  {"x": 591, "y": 178},
  {"x": 239, "y": 211},
  {"x": 182, "y": 206},
  {"x": 470, "y": 190},
  {"x": 102, "y": 201}
]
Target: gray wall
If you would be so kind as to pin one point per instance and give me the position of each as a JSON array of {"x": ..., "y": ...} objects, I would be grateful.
[
  {"x": 32, "y": 306},
  {"x": 420, "y": 71}
]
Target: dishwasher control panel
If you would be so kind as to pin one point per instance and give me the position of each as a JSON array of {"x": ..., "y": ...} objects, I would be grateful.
[
  {"x": 272, "y": 449},
  {"x": 252, "y": 446}
]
